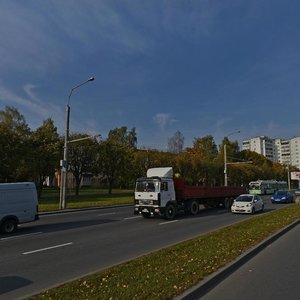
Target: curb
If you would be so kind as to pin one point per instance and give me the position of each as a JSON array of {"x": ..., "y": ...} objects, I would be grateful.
[{"x": 214, "y": 279}]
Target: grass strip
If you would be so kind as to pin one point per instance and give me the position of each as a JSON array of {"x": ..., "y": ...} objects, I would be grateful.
[
  {"x": 87, "y": 199},
  {"x": 170, "y": 271}
]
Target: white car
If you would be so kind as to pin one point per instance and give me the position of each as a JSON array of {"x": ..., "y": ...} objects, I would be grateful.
[{"x": 248, "y": 204}]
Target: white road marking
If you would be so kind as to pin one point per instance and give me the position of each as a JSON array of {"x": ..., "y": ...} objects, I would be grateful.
[
  {"x": 112, "y": 213},
  {"x": 130, "y": 218},
  {"x": 48, "y": 248},
  {"x": 19, "y": 236},
  {"x": 168, "y": 222}
]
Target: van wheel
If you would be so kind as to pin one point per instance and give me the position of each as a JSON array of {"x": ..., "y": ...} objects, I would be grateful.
[
  {"x": 9, "y": 226},
  {"x": 170, "y": 211},
  {"x": 193, "y": 207}
]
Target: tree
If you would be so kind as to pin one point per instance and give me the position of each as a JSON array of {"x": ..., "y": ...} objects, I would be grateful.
[
  {"x": 114, "y": 161},
  {"x": 45, "y": 153},
  {"x": 150, "y": 158},
  {"x": 176, "y": 143},
  {"x": 81, "y": 157},
  {"x": 206, "y": 147},
  {"x": 14, "y": 145},
  {"x": 123, "y": 136}
]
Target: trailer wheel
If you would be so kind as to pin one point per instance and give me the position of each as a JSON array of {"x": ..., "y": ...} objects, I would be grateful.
[
  {"x": 193, "y": 207},
  {"x": 170, "y": 211},
  {"x": 9, "y": 226}
]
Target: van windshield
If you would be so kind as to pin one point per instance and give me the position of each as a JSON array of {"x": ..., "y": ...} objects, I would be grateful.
[{"x": 147, "y": 186}]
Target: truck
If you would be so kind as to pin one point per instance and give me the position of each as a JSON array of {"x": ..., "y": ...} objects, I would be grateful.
[
  {"x": 18, "y": 204},
  {"x": 162, "y": 194}
]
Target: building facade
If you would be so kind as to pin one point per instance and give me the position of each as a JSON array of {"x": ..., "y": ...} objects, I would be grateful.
[
  {"x": 261, "y": 145},
  {"x": 283, "y": 151}
]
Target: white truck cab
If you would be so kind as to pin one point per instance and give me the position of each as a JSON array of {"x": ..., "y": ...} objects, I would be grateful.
[{"x": 154, "y": 192}]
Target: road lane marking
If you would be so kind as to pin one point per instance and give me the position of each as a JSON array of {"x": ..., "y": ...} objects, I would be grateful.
[
  {"x": 19, "y": 236},
  {"x": 48, "y": 248},
  {"x": 168, "y": 222},
  {"x": 106, "y": 214},
  {"x": 130, "y": 218}
]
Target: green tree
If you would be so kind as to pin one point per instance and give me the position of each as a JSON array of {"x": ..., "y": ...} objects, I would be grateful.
[
  {"x": 123, "y": 136},
  {"x": 14, "y": 146},
  {"x": 145, "y": 159},
  {"x": 81, "y": 157},
  {"x": 206, "y": 147},
  {"x": 113, "y": 161},
  {"x": 45, "y": 152}
]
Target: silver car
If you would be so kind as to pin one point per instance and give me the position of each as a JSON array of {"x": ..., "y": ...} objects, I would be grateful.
[{"x": 248, "y": 204}]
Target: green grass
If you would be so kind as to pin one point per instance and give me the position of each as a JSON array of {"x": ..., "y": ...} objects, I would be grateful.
[
  {"x": 86, "y": 198},
  {"x": 169, "y": 272}
]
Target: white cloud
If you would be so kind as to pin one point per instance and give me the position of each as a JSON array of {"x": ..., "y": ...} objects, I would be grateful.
[
  {"x": 163, "y": 120},
  {"x": 34, "y": 110}
]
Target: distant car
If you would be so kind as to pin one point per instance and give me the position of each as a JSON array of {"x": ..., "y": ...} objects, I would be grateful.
[
  {"x": 297, "y": 192},
  {"x": 282, "y": 197},
  {"x": 248, "y": 204}
]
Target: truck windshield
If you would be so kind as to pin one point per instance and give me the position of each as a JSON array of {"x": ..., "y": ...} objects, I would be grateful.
[
  {"x": 147, "y": 186},
  {"x": 254, "y": 186}
]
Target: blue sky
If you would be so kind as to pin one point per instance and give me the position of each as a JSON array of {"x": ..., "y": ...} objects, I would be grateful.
[{"x": 201, "y": 67}]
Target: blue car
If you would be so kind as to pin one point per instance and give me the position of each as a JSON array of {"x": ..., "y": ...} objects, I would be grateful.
[{"x": 282, "y": 197}]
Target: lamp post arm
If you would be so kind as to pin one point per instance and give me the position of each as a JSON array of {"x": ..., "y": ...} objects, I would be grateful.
[{"x": 77, "y": 86}]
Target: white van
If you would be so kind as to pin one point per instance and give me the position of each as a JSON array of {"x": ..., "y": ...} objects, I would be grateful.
[{"x": 18, "y": 204}]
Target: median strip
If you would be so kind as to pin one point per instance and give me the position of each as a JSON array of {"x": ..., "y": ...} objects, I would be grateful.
[
  {"x": 48, "y": 248},
  {"x": 169, "y": 272}
]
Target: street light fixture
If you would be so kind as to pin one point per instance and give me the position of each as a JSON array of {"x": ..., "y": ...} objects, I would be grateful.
[
  {"x": 225, "y": 158},
  {"x": 64, "y": 164}
]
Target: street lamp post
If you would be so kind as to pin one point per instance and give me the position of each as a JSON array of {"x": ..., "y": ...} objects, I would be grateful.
[
  {"x": 289, "y": 178},
  {"x": 225, "y": 158},
  {"x": 64, "y": 163}
]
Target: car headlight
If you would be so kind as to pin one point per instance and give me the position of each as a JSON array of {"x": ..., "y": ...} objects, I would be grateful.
[
  {"x": 283, "y": 198},
  {"x": 272, "y": 198}
]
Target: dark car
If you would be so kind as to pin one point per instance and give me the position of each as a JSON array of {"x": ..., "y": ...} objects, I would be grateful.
[{"x": 282, "y": 197}]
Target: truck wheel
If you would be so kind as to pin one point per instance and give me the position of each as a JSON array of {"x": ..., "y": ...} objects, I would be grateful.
[
  {"x": 170, "y": 211},
  {"x": 194, "y": 207},
  {"x": 9, "y": 226},
  {"x": 146, "y": 215},
  {"x": 227, "y": 203}
]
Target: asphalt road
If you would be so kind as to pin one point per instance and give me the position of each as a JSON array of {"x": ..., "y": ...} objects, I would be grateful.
[
  {"x": 271, "y": 274},
  {"x": 61, "y": 247}
]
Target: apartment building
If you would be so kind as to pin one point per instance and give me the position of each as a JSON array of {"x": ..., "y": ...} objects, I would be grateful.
[
  {"x": 295, "y": 152},
  {"x": 283, "y": 151},
  {"x": 262, "y": 145}
]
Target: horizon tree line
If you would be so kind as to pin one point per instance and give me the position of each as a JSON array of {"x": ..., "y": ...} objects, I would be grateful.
[{"x": 34, "y": 155}]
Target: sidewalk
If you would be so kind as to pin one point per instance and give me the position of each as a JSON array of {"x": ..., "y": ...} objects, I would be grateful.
[{"x": 213, "y": 280}]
